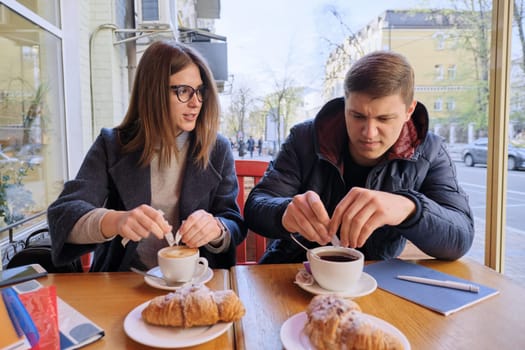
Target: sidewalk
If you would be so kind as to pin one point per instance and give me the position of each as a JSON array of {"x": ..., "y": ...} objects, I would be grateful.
[
  {"x": 255, "y": 156},
  {"x": 454, "y": 151},
  {"x": 514, "y": 265}
]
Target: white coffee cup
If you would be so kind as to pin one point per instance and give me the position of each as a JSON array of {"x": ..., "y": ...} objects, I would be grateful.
[
  {"x": 336, "y": 268},
  {"x": 180, "y": 263}
]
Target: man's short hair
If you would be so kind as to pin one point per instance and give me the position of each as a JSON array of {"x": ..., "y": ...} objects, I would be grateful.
[{"x": 379, "y": 74}]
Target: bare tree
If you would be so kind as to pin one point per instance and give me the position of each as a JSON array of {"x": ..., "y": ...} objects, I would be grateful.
[
  {"x": 257, "y": 125},
  {"x": 517, "y": 87},
  {"x": 348, "y": 33},
  {"x": 341, "y": 51},
  {"x": 518, "y": 21},
  {"x": 292, "y": 103},
  {"x": 241, "y": 104},
  {"x": 282, "y": 104}
]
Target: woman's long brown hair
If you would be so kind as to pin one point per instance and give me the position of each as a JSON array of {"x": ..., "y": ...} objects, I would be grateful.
[{"x": 147, "y": 124}]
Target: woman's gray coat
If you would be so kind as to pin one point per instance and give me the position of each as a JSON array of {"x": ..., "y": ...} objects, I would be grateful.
[{"x": 112, "y": 179}]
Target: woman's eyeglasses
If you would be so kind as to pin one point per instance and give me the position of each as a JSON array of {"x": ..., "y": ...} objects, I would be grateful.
[{"x": 185, "y": 92}]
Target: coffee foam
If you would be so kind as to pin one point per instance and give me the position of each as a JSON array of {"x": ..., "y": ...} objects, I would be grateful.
[{"x": 178, "y": 252}]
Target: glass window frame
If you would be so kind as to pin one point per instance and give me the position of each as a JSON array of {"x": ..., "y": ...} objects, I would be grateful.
[
  {"x": 439, "y": 72},
  {"x": 498, "y": 106},
  {"x": 70, "y": 106},
  {"x": 499, "y": 95},
  {"x": 451, "y": 72},
  {"x": 438, "y": 104}
]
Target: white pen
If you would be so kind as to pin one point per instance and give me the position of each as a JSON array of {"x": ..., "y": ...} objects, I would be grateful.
[{"x": 448, "y": 284}]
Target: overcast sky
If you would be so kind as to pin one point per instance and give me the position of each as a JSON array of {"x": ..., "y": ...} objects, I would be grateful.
[{"x": 273, "y": 38}]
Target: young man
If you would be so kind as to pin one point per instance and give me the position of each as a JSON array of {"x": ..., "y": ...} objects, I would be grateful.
[{"x": 367, "y": 170}]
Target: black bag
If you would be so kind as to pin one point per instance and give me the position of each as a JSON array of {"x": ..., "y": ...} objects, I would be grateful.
[{"x": 37, "y": 250}]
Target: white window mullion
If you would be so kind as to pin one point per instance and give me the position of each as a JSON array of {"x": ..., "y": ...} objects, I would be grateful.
[{"x": 33, "y": 17}]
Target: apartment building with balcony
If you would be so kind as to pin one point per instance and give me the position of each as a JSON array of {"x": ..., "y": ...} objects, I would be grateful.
[{"x": 445, "y": 72}]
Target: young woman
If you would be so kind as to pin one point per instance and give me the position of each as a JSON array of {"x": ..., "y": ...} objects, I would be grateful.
[{"x": 164, "y": 168}]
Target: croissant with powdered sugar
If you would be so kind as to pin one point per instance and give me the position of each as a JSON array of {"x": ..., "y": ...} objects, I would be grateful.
[
  {"x": 194, "y": 306},
  {"x": 336, "y": 323}
]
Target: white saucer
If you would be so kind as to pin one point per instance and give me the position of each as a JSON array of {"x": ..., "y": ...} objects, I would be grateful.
[
  {"x": 293, "y": 337},
  {"x": 168, "y": 337},
  {"x": 366, "y": 285},
  {"x": 156, "y": 272}
]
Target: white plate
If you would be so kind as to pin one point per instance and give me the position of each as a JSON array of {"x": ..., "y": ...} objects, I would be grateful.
[
  {"x": 168, "y": 337},
  {"x": 293, "y": 337},
  {"x": 366, "y": 285},
  {"x": 208, "y": 275}
]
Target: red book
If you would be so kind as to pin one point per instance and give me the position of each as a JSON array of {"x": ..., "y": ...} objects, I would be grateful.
[{"x": 42, "y": 306}]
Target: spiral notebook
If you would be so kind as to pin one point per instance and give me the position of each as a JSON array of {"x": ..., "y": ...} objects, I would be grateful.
[{"x": 442, "y": 300}]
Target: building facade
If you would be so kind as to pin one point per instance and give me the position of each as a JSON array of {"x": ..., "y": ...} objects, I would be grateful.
[{"x": 445, "y": 76}]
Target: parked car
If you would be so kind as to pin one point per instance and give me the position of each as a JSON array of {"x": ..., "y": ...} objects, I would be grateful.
[{"x": 476, "y": 153}]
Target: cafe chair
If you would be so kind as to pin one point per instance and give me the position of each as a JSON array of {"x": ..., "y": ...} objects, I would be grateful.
[
  {"x": 36, "y": 249},
  {"x": 250, "y": 251},
  {"x": 86, "y": 261}
]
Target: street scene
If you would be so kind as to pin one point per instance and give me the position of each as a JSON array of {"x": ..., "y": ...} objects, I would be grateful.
[{"x": 473, "y": 181}]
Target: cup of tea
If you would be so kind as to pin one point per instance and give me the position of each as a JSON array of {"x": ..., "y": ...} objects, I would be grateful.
[
  {"x": 336, "y": 268},
  {"x": 180, "y": 263}
]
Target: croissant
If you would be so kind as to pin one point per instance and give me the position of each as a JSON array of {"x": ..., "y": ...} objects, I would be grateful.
[
  {"x": 194, "y": 306},
  {"x": 336, "y": 323}
]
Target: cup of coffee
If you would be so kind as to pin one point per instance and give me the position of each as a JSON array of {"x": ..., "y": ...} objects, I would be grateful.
[
  {"x": 180, "y": 263},
  {"x": 336, "y": 268}
]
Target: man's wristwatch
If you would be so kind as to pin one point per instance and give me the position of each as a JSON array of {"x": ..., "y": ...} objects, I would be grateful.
[{"x": 224, "y": 230}]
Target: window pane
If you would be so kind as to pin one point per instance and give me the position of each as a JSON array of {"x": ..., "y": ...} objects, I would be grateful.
[
  {"x": 448, "y": 49},
  {"x": 515, "y": 206},
  {"x": 32, "y": 144},
  {"x": 47, "y": 9}
]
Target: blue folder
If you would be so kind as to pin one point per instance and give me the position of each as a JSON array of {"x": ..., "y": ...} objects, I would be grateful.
[{"x": 440, "y": 299}]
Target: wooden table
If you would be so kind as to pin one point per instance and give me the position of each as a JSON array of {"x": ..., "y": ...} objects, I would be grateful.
[
  {"x": 271, "y": 297},
  {"x": 107, "y": 298}
]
